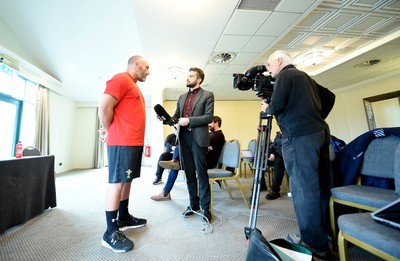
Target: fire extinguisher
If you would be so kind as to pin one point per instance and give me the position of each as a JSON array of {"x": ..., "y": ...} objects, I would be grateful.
[
  {"x": 18, "y": 150},
  {"x": 147, "y": 149}
]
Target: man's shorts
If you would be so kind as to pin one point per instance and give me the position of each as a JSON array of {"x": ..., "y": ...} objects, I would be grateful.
[{"x": 124, "y": 163}]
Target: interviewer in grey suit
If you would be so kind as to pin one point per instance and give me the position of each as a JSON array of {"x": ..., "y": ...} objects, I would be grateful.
[{"x": 195, "y": 110}]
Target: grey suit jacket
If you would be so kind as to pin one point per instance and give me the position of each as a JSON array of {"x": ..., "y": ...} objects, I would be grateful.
[{"x": 202, "y": 115}]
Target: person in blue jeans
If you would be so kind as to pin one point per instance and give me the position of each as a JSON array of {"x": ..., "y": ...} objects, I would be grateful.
[
  {"x": 174, "y": 167},
  {"x": 217, "y": 141},
  {"x": 169, "y": 144}
]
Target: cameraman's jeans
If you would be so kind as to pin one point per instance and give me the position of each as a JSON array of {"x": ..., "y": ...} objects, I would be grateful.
[{"x": 308, "y": 166}]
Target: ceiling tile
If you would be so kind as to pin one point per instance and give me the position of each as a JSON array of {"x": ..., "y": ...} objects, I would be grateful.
[
  {"x": 246, "y": 22},
  {"x": 215, "y": 68},
  {"x": 234, "y": 68},
  {"x": 367, "y": 23},
  {"x": 231, "y": 43},
  {"x": 340, "y": 20},
  {"x": 295, "y": 5},
  {"x": 277, "y": 23},
  {"x": 244, "y": 58},
  {"x": 391, "y": 26},
  {"x": 258, "y": 43}
]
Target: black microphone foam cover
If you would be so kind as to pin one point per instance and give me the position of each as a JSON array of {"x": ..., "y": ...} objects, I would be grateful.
[{"x": 160, "y": 111}]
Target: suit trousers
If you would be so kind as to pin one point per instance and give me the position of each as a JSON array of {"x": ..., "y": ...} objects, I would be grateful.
[
  {"x": 194, "y": 160},
  {"x": 308, "y": 166}
]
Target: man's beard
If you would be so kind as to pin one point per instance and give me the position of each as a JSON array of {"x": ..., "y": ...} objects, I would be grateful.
[{"x": 190, "y": 85}]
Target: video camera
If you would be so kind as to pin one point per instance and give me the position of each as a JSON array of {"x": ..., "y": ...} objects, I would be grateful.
[{"x": 254, "y": 79}]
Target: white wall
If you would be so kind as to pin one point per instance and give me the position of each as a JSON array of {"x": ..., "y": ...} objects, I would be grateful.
[
  {"x": 348, "y": 119},
  {"x": 62, "y": 124},
  {"x": 84, "y": 137}
]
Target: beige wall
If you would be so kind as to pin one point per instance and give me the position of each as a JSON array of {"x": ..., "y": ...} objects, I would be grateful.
[
  {"x": 346, "y": 121},
  {"x": 240, "y": 119}
]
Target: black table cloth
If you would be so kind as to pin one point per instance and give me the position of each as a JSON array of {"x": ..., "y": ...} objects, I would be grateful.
[{"x": 27, "y": 188}]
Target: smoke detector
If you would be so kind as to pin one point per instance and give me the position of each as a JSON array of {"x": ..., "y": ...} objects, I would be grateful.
[
  {"x": 222, "y": 58},
  {"x": 367, "y": 63}
]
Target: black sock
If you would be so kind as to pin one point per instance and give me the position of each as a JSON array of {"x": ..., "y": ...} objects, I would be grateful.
[
  {"x": 111, "y": 218},
  {"x": 123, "y": 212}
]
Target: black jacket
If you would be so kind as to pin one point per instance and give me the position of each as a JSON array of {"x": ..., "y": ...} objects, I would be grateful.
[{"x": 296, "y": 103}]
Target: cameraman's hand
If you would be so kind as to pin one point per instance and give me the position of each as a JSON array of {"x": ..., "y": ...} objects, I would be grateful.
[{"x": 264, "y": 106}]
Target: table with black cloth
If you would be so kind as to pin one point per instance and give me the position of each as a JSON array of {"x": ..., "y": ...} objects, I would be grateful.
[{"x": 27, "y": 188}]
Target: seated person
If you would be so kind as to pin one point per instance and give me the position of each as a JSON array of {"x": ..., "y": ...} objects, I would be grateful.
[
  {"x": 279, "y": 166},
  {"x": 174, "y": 165},
  {"x": 217, "y": 141},
  {"x": 170, "y": 142}
]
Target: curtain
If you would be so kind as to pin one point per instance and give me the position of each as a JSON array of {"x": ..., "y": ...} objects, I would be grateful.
[
  {"x": 99, "y": 146},
  {"x": 42, "y": 120}
]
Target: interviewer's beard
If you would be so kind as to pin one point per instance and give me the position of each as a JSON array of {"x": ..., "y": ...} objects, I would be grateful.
[{"x": 190, "y": 85}]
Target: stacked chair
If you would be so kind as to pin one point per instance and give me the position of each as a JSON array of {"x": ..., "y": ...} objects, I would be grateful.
[
  {"x": 381, "y": 159},
  {"x": 248, "y": 162},
  {"x": 229, "y": 158}
]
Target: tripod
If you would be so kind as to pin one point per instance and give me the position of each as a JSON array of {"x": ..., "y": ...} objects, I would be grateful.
[{"x": 259, "y": 167}]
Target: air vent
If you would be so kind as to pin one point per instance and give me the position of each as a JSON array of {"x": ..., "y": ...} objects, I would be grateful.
[
  {"x": 259, "y": 5},
  {"x": 367, "y": 63},
  {"x": 222, "y": 58}
]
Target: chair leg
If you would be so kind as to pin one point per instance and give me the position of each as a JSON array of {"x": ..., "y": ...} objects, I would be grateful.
[
  {"x": 242, "y": 191},
  {"x": 343, "y": 252},
  {"x": 211, "y": 197},
  {"x": 227, "y": 189},
  {"x": 287, "y": 181},
  {"x": 333, "y": 221}
]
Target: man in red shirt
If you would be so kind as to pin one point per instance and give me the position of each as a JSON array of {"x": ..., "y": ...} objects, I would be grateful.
[{"x": 122, "y": 115}]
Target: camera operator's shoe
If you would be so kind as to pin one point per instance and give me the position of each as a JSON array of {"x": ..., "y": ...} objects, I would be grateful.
[
  {"x": 206, "y": 218},
  {"x": 131, "y": 222},
  {"x": 170, "y": 164},
  {"x": 296, "y": 239},
  {"x": 117, "y": 242},
  {"x": 272, "y": 195}
]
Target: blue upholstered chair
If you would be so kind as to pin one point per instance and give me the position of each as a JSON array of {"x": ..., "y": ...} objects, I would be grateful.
[
  {"x": 229, "y": 158},
  {"x": 361, "y": 230},
  {"x": 246, "y": 160},
  {"x": 381, "y": 159}
]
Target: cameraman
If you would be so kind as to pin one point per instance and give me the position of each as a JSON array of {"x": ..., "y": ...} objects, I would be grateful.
[{"x": 296, "y": 103}]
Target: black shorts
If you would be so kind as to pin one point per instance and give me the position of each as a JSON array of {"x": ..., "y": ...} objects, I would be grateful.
[{"x": 124, "y": 163}]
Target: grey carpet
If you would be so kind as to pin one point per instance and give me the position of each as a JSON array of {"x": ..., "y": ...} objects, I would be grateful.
[{"x": 74, "y": 229}]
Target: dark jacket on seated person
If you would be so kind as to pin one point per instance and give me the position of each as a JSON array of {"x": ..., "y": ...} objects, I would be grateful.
[{"x": 349, "y": 159}]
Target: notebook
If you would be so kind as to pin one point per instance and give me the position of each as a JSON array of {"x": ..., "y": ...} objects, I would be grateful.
[
  {"x": 247, "y": 154},
  {"x": 389, "y": 214}
]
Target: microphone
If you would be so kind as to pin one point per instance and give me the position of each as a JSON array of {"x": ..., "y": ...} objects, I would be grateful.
[{"x": 163, "y": 114}]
